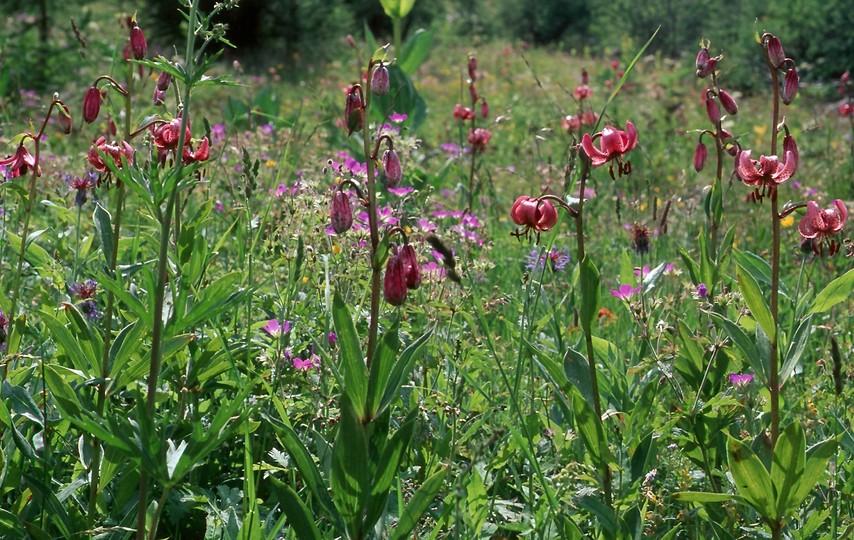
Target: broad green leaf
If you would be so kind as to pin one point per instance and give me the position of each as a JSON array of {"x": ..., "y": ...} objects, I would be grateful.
[
  {"x": 214, "y": 299},
  {"x": 751, "y": 478},
  {"x": 590, "y": 429},
  {"x": 355, "y": 371},
  {"x": 21, "y": 402},
  {"x": 627, "y": 269},
  {"x": 82, "y": 359},
  {"x": 415, "y": 51},
  {"x": 796, "y": 349},
  {"x": 589, "y": 283},
  {"x": 349, "y": 480},
  {"x": 756, "y": 302},
  {"x": 745, "y": 345},
  {"x": 309, "y": 472},
  {"x": 706, "y": 497},
  {"x": 387, "y": 467},
  {"x": 787, "y": 466},
  {"x": 56, "y": 378},
  {"x": 418, "y": 505},
  {"x": 606, "y": 518},
  {"x": 836, "y": 291},
  {"x": 381, "y": 366},
  {"x": 104, "y": 228},
  {"x": 690, "y": 264},
  {"x": 300, "y": 519},
  {"x": 757, "y": 267},
  {"x": 126, "y": 343},
  {"x": 577, "y": 371},
  {"x": 815, "y": 467},
  {"x": 401, "y": 370}
]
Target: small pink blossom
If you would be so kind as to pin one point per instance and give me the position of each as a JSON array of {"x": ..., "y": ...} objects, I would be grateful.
[
  {"x": 625, "y": 291},
  {"x": 275, "y": 329}
]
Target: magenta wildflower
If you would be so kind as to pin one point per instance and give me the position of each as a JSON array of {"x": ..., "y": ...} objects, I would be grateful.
[
  {"x": 740, "y": 380},
  {"x": 276, "y": 329},
  {"x": 625, "y": 291}
]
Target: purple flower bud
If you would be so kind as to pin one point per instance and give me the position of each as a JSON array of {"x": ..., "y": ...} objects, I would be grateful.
[
  {"x": 341, "y": 213},
  {"x": 394, "y": 283},
  {"x": 354, "y": 110},
  {"x": 163, "y": 81},
  {"x": 702, "y": 290},
  {"x": 710, "y": 68},
  {"x": 703, "y": 59},
  {"x": 91, "y": 105},
  {"x": 700, "y": 155},
  {"x": 728, "y": 102},
  {"x": 789, "y": 145},
  {"x": 64, "y": 118},
  {"x": 484, "y": 109},
  {"x": 472, "y": 68},
  {"x": 411, "y": 270},
  {"x": 790, "y": 86},
  {"x": 137, "y": 42},
  {"x": 713, "y": 110},
  {"x": 393, "y": 172},
  {"x": 159, "y": 96},
  {"x": 379, "y": 80},
  {"x": 775, "y": 51}
]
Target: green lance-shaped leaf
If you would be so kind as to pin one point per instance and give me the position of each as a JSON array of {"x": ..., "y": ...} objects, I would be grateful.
[
  {"x": 418, "y": 505},
  {"x": 589, "y": 293},
  {"x": 355, "y": 371},
  {"x": 415, "y": 51},
  {"x": 756, "y": 302},
  {"x": 836, "y": 291},
  {"x": 817, "y": 458},
  {"x": 104, "y": 229},
  {"x": 350, "y": 480},
  {"x": 300, "y": 519},
  {"x": 787, "y": 466},
  {"x": 751, "y": 478}
]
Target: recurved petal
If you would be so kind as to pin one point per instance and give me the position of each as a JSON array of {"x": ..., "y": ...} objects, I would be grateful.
[
  {"x": 842, "y": 212},
  {"x": 632, "y": 134},
  {"x": 597, "y": 157},
  {"x": 747, "y": 168},
  {"x": 786, "y": 170}
]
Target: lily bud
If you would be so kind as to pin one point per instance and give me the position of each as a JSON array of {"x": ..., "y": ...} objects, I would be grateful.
[
  {"x": 472, "y": 68},
  {"x": 91, "y": 105},
  {"x": 354, "y": 111},
  {"x": 394, "y": 283},
  {"x": 709, "y": 69},
  {"x": 703, "y": 58},
  {"x": 341, "y": 213},
  {"x": 137, "y": 42},
  {"x": 585, "y": 78},
  {"x": 728, "y": 102},
  {"x": 775, "y": 51},
  {"x": 411, "y": 270},
  {"x": 790, "y": 86},
  {"x": 379, "y": 80},
  {"x": 393, "y": 172},
  {"x": 64, "y": 119},
  {"x": 473, "y": 93},
  {"x": 159, "y": 96},
  {"x": 163, "y": 81},
  {"x": 484, "y": 109},
  {"x": 789, "y": 145},
  {"x": 713, "y": 110},
  {"x": 700, "y": 155}
]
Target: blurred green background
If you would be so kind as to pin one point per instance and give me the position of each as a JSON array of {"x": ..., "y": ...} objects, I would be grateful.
[{"x": 38, "y": 45}]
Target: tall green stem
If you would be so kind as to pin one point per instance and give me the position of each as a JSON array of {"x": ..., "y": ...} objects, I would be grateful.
[
  {"x": 165, "y": 219},
  {"x": 605, "y": 471},
  {"x": 376, "y": 269},
  {"x": 775, "y": 272}
]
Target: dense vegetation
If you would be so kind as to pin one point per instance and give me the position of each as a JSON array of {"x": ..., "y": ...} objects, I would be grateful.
[{"x": 552, "y": 273}]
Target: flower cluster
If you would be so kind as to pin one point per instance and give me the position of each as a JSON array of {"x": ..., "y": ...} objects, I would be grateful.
[{"x": 714, "y": 98}]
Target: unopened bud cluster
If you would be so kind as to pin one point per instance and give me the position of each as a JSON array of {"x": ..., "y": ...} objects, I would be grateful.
[
  {"x": 478, "y": 138},
  {"x": 717, "y": 102},
  {"x": 777, "y": 60}
]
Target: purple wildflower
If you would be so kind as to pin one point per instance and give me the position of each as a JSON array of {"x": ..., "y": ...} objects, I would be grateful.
[
  {"x": 625, "y": 291},
  {"x": 275, "y": 329},
  {"x": 740, "y": 380},
  {"x": 702, "y": 290},
  {"x": 556, "y": 259}
]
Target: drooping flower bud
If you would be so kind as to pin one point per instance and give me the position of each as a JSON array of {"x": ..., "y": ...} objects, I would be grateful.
[
  {"x": 137, "y": 42},
  {"x": 473, "y": 93},
  {"x": 91, "y": 105},
  {"x": 713, "y": 110},
  {"x": 789, "y": 145},
  {"x": 585, "y": 78},
  {"x": 728, "y": 102},
  {"x": 703, "y": 58},
  {"x": 790, "y": 86},
  {"x": 775, "y": 51},
  {"x": 341, "y": 213},
  {"x": 63, "y": 119},
  {"x": 700, "y": 155},
  {"x": 393, "y": 172},
  {"x": 379, "y": 80},
  {"x": 394, "y": 283},
  {"x": 163, "y": 81},
  {"x": 354, "y": 111},
  {"x": 159, "y": 96},
  {"x": 472, "y": 68},
  {"x": 484, "y": 109},
  {"x": 709, "y": 67},
  {"x": 411, "y": 270}
]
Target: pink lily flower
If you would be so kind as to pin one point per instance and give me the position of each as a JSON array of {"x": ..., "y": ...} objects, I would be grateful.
[
  {"x": 768, "y": 171},
  {"x": 613, "y": 144}
]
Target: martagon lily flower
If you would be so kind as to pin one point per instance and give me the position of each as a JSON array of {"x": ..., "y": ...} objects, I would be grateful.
[
  {"x": 768, "y": 171},
  {"x": 19, "y": 163},
  {"x": 613, "y": 145},
  {"x": 818, "y": 225}
]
